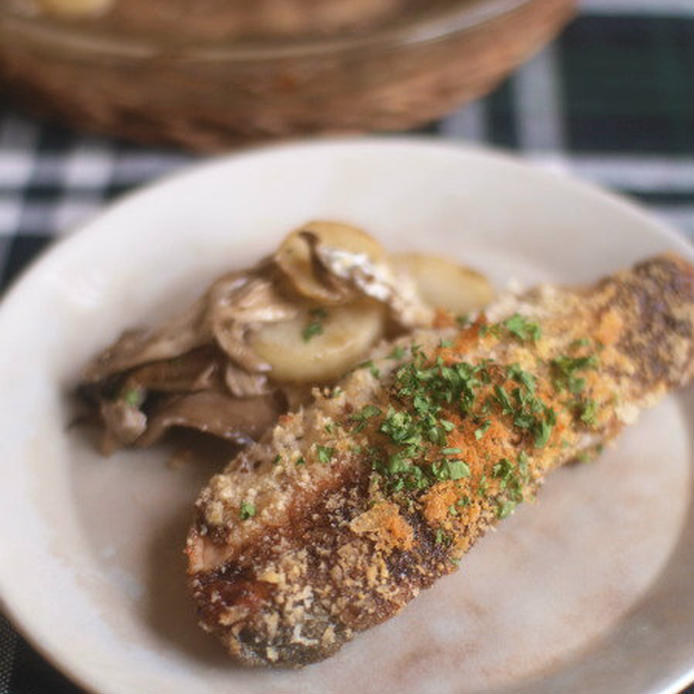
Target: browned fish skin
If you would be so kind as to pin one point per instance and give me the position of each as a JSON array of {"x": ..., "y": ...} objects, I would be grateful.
[{"x": 330, "y": 545}]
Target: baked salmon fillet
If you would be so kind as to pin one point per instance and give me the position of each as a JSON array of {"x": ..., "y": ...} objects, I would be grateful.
[{"x": 347, "y": 508}]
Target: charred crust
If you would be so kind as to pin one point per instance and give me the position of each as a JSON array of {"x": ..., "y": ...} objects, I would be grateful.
[{"x": 657, "y": 297}]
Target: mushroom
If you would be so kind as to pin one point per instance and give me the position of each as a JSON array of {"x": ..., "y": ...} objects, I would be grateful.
[
  {"x": 239, "y": 420},
  {"x": 222, "y": 315}
]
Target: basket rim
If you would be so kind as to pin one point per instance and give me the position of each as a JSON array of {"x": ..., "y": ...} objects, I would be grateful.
[{"x": 463, "y": 16}]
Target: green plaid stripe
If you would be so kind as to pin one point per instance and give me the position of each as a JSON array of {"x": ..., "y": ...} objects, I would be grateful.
[{"x": 627, "y": 84}]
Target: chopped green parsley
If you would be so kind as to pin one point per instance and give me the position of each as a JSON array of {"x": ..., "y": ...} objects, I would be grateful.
[
  {"x": 589, "y": 410},
  {"x": 505, "y": 508},
  {"x": 315, "y": 325},
  {"x": 397, "y": 353},
  {"x": 565, "y": 368},
  {"x": 503, "y": 399},
  {"x": 414, "y": 452},
  {"x": 375, "y": 372},
  {"x": 325, "y": 453},
  {"x": 480, "y": 431},
  {"x": 441, "y": 538},
  {"x": 450, "y": 470},
  {"x": 542, "y": 428},
  {"x": 522, "y": 328},
  {"x": 247, "y": 510},
  {"x": 523, "y": 377},
  {"x": 364, "y": 415}
]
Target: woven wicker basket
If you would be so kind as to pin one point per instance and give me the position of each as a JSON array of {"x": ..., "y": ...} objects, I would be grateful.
[{"x": 215, "y": 99}]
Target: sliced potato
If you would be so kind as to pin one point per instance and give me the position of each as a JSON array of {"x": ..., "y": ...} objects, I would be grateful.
[
  {"x": 446, "y": 285},
  {"x": 319, "y": 344},
  {"x": 295, "y": 259}
]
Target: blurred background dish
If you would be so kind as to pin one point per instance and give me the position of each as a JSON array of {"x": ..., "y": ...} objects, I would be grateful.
[{"x": 214, "y": 74}]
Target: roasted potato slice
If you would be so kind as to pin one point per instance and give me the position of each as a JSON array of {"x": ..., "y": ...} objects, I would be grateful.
[
  {"x": 319, "y": 344},
  {"x": 295, "y": 259},
  {"x": 447, "y": 285}
]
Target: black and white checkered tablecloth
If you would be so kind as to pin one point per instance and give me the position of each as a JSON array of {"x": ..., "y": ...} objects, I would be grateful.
[{"x": 610, "y": 101}]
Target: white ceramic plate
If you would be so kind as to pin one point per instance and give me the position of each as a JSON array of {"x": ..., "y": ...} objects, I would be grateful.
[{"x": 589, "y": 590}]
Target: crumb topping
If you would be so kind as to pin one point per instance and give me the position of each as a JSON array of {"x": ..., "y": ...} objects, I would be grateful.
[{"x": 383, "y": 483}]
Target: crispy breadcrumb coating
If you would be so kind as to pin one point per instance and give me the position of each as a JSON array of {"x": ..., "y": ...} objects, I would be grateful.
[{"x": 349, "y": 507}]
